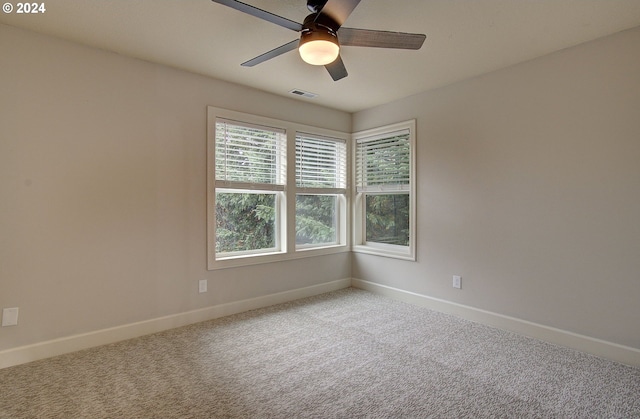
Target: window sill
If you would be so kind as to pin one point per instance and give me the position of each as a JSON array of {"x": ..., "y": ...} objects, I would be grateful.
[
  {"x": 380, "y": 251},
  {"x": 237, "y": 261}
]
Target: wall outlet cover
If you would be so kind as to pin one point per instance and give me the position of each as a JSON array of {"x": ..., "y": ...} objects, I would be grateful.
[
  {"x": 202, "y": 286},
  {"x": 10, "y": 316}
]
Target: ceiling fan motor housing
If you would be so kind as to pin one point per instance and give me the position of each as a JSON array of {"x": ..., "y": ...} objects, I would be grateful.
[
  {"x": 317, "y": 31},
  {"x": 320, "y": 22}
]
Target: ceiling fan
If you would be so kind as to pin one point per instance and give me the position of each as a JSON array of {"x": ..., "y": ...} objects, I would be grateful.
[{"x": 322, "y": 34}]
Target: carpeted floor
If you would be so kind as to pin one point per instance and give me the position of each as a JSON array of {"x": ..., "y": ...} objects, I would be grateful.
[{"x": 346, "y": 354}]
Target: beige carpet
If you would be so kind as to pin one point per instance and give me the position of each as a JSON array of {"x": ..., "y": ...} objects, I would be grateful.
[{"x": 345, "y": 354}]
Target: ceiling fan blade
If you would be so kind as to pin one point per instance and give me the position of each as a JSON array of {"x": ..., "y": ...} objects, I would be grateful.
[
  {"x": 261, "y": 14},
  {"x": 380, "y": 39},
  {"x": 272, "y": 54},
  {"x": 338, "y": 10},
  {"x": 336, "y": 69}
]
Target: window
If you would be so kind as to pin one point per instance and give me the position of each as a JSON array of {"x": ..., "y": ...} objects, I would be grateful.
[
  {"x": 256, "y": 211},
  {"x": 321, "y": 173},
  {"x": 250, "y": 174},
  {"x": 384, "y": 210}
]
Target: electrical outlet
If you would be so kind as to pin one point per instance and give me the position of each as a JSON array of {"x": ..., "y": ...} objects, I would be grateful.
[
  {"x": 202, "y": 286},
  {"x": 457, "y": 281},
  {"x": 10, "y": 316}
]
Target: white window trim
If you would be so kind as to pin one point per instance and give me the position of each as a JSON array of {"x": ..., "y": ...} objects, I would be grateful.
[
  {"x": 287, "y": 248},
  {"x": 357, "y": 198}
]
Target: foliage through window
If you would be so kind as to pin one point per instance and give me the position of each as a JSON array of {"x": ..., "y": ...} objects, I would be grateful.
[
  {"x": 245, "y": 221},
  {"x": 387, "y": 218}
]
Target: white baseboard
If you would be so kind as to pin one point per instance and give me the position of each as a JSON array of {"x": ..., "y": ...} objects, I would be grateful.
[
  {"x": 41, "y": 350},
  {"x": 613, "y": 351}
]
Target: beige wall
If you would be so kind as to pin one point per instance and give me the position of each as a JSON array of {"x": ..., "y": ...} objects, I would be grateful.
[
  {"x": 529, "y": 187},
  {"x": 103, "y": 190}
]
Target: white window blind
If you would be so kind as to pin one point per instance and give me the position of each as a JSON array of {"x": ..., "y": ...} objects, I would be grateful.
[
  {"x": 383, "y": 163},
  {"x": 320, "y": 162},
  {"x": 249, "y": 156}
]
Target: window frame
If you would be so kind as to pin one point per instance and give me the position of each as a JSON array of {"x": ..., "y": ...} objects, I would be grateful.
[
  {"x": 339, "y": 191},
  {"x": 238, "y": 178},
  {"x": 285, "y": 223},
  {"x": 359, "y": 242}
]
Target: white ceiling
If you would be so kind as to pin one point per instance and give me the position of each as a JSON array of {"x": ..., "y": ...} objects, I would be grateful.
[{"x": 465, "y": 38}]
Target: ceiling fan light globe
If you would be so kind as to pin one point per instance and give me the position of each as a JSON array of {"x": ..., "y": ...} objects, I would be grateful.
[{"x": 319, "y": 52}]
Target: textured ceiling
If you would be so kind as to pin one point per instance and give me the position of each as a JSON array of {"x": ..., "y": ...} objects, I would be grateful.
[{"x": 465, "y": 38}]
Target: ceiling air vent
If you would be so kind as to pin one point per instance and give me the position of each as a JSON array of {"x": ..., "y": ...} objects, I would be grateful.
[{"x": 302, "y": 93}]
